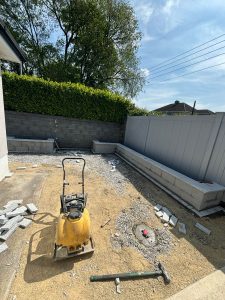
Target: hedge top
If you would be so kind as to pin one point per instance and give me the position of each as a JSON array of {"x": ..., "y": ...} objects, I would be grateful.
[{"x": 35, "y": 95}]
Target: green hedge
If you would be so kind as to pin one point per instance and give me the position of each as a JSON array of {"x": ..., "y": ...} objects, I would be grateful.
[{"x": 36, "y": 95}]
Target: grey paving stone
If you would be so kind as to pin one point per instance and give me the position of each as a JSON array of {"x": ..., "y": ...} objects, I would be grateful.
[
  {"x": 3, "y": 219},
  {"x": 8, "y": 225},
  {"x": 159, "y": 214},
  {"x": 19, "y": 211},
  {"x": 32, "y": 208},
  {"x": 173, "y": 221},
  {"x": 157, "y": 207},
  {"x": 182, "y": 228},
  {"x": 25, "y": 223},
  {"x": 20, "y": 201},
  {"x": 6, "y": 234},
  {"x": 203, "y": 228},
  {"x": 3, "y": 247}
]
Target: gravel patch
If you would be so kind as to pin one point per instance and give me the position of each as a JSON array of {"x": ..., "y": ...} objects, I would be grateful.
[
  {"x": 139, "y": 213},
  {"x": 109, "y": 166}
]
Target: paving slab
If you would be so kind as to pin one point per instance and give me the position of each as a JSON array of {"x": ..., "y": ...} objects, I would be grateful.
[
  {"x": 173, "y": 221},
  {"x": 25, "y": 223},
  {"x": 182, "y": 228},
  {"x": 3, "y": 219},
  {"x": 19, "y": 211},
  {"x": 211, "y": 287},
  {"x": 3, "y": 247},
  {"x": 159, "y": 214},
  {"x": 19, "y": 201},
  {"x": 157, "y": 207},
  {"x": 6, "y": 234},
  {"x": 8, "y": 225},
  {"x": 32, "y": 208},
  {"x": 203, "y": 228},
  {"x": 10, "y": 208}
]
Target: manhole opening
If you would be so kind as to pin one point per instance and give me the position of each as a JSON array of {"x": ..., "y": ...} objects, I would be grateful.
[{"x": 148, "y": 240}]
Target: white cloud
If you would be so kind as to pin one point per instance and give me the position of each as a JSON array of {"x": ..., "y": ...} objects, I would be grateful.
[
  {"x": 145, "y": 72},
  {"x": 144, "y": 11},
  {"x": 169, "y": 6}
]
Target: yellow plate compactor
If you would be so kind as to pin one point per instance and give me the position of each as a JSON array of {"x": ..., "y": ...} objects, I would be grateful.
[{"x": 73, "y": 235}]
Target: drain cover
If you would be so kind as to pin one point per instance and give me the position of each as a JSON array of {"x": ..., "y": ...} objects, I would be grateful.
[{"x": 147, "y": 241}]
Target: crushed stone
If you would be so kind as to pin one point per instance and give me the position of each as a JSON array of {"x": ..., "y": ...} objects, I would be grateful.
[{"x": 139, "y": 213}]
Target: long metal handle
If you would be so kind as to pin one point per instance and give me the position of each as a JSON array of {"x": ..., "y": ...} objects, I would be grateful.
[
  {"x": 130, "y": 275},
  {"x": 64, "y": 171}
]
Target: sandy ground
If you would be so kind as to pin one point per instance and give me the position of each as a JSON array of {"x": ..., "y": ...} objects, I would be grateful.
[{"x": 193, "y": 256}]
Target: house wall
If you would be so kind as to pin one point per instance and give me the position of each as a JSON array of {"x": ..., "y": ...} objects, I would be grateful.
[
  {"x": 68, "y": 132},
  {"x": 3, "y": 142},
  {"x": 193, "y": 145}
]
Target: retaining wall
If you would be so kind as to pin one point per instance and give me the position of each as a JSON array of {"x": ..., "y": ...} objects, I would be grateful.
[
  {"x": 192, "y": 145},
  {"x": 68, "y": 132}
]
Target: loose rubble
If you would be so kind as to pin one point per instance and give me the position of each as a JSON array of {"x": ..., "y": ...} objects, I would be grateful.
[
  {"x": 139, "y": 213},
  {"x": 165, "y": 215},
  {"x": 12, "y": 217}
]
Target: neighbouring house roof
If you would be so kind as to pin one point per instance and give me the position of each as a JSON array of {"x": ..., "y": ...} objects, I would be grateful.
[
  {"x": 9, "y": 49},
  {"x": 181, "y": 107}
]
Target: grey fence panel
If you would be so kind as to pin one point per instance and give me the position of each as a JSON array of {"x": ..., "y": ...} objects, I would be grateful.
[
  {"x": 184, "y": 143},
  {"x": 216, "y": 167},
  {"x": 136, "y": 133}
]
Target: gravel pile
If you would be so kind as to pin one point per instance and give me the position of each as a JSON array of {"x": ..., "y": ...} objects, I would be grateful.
[
  {"x": 108, "y": 166},
  {"x": 139, "y": 213}
]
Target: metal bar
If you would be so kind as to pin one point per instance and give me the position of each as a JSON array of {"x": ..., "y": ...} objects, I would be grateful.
[{"x": 130, "y": 275}]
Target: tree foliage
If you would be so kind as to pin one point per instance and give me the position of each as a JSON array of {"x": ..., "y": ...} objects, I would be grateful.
[{"x": 93, "y": 42}]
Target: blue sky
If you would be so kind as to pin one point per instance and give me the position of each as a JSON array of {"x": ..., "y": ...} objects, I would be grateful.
[{"x": 170, "y": 27}]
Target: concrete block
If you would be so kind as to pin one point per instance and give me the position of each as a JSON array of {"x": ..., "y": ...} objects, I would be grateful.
[
  {"x": 11, "y": 223},
  {"x": 100, "y": 147},
  {"x": 157, "y": 207},
  {"x": 203, "y": 228},
  {"x": 182, "y": 228},
  {"x": 17, "y": 212},
  {"x": 32, "y": 208},
  {"x": 25, "y": 223},
  {"x": 173, "y": 221},
  {"x": 167, "y": 211},
  {"x": 6, "y": 234},
  {"x": 10, "y": 208},
  {"x": 20, "y": 201},
  {"x": 3, "y": 219},
  {"x": 159, "y": 214},
  {"x": 3, "y": 247},
  {"x": 165, "y": 217}
]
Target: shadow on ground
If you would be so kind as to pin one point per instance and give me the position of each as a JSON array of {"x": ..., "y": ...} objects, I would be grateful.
[
  {"x": 212, "y": 247},
  {"x": 40, "y": 263}
]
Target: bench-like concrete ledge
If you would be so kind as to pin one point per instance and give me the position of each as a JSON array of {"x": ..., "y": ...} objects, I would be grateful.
[
  {"x": 18, "y": 145},
  {"x": 103, "y": 148},
  {"x": 199, "y": 195}
]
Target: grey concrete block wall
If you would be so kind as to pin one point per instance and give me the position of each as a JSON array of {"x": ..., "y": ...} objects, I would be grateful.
[{"x": 68, "y": 132}]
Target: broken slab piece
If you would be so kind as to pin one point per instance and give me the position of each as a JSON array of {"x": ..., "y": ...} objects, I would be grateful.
[
  {"x": 159, "y": 214},
  {"x": 8, "y": 225},
  {"x": 3, "y": 247},
  {"x": 158, "y": 207},
  {"x": 182, "y": 228},
  {"x": 203, "y": 228},
  {"x": 20, "y": 201},
  {"x": 173, "y": 221},
  {"x": 32, "y": 208},
  {"x": 165, "y": 217},
  {"x": 167, "y": 211},
  {"x": 3, "y": 219},
  {"x": 25, "y": 223},
  {"x": 6, "y": 234},
  {"x": 19, "y": 211}
]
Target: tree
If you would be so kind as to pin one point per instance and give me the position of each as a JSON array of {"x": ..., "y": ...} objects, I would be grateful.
[{"x": 96, "y": 41}]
